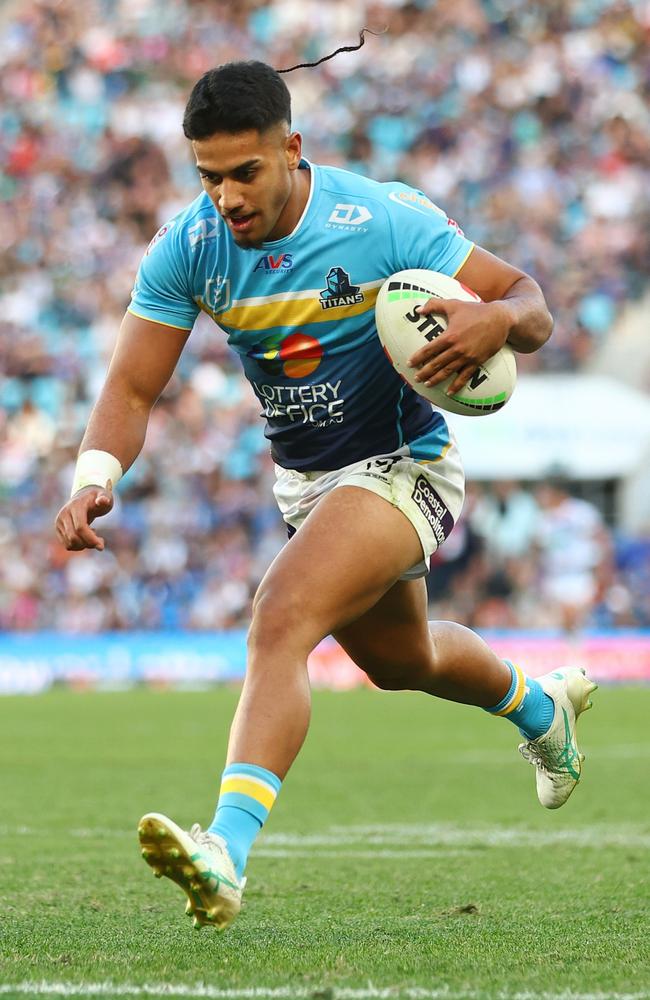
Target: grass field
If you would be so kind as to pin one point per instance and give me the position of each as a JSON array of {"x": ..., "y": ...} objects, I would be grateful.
[{"x": 406, "y": 857}]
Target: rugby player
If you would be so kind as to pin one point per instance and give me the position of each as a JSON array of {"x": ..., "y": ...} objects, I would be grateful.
[{"x": 287, "y": 257}]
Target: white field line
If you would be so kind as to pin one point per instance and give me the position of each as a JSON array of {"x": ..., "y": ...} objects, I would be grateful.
[
  {"x": 297, "y": 852},
  {"x": 203, "y": 992},
  {"x": 410, "y": 840}
]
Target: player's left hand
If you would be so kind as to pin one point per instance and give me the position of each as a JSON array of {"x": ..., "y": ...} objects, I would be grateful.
[{"x": 475, "y": 332}]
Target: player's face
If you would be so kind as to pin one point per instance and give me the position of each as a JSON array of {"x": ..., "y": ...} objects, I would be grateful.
[{"x": 251, "y": 179}]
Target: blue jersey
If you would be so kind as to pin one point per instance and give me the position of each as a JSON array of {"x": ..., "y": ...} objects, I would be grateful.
[{"x": 299, "y": 311}]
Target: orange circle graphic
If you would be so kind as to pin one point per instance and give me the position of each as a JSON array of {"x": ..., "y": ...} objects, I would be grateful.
[{"x": 301, "y": 355}]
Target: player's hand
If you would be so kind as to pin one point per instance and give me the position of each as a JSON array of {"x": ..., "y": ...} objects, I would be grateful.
[
  {"x": 75, "y": 517},
  {"x": 475, "y": 332}
]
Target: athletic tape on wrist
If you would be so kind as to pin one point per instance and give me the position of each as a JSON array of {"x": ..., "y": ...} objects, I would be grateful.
[{"x": 95, "y": 468}]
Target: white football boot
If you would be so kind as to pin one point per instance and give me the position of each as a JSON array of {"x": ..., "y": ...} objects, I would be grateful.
[
  {"x": 555, "y": 755},
  {"x": 199, "y": 863}
]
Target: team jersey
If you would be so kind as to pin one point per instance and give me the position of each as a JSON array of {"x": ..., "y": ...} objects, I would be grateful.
[{"x": 299, "y": 311}]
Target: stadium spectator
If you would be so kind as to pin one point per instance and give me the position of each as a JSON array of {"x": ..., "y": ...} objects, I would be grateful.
[{"x": 575, "y": 552}]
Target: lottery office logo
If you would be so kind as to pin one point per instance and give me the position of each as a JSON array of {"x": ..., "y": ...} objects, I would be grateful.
[
  {"x": 296, "y": 356},
  {"x": 319, "y": 405},
  {"x": 349, "y": 218},
  {"x": 339, "y": 291}
]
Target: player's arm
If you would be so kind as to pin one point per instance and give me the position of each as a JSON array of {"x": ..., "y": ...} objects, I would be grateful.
[
  {"x": 143, "y": 361},
  {"x": 513, "y": 310}
]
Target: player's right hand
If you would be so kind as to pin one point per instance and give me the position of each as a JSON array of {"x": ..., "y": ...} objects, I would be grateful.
[{"x": 75, "y": 517}]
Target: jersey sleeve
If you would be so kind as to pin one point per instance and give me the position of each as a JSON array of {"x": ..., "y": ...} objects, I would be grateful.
[
  {"x": 423, "y": 234},
  {"x": 161, "y": 291}
]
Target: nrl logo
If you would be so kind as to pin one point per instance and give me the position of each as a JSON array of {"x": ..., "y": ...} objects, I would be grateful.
[
  {"x": 339, "y": 291},
  {"x": 217, "y": 293}
]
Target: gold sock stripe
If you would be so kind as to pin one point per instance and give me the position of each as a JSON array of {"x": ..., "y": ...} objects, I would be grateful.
[
  {"x": 518, "y": 693},
  {"x": 263, "y": 794}
]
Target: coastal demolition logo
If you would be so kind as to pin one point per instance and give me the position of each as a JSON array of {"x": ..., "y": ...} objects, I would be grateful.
[
  {"x": 339, "y": 291},
  {"x": 433, "y": 508},
  {"x": 295, "y": 356}
]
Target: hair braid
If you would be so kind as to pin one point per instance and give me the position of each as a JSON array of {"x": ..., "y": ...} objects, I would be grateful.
[{"x": 344, "y": 48}]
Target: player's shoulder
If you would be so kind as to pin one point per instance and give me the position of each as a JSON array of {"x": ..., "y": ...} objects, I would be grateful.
[
  {"x": 181, "y": 235},
  {"x": 398, "y": 200}
]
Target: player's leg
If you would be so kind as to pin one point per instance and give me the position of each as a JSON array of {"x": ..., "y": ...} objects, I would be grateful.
[
  {"x": 346, "y": 556},
  {"x": 399, "y": 649},
  {"x": 351, "y": 549},
  {"x": 394, "y": 643}
]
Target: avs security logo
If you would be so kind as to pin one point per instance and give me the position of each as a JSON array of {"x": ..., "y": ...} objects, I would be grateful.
[
  {"x": 339, "y": 291},
  {"x": 349, "y": 218},
  {"x": 275, "y": 265},
  {"x": 295, "y": 356}
]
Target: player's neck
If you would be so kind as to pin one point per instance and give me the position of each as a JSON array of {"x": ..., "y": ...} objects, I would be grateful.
[{"x": 295, "y": 205}]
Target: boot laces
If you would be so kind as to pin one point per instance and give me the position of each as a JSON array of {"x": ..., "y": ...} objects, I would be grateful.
[
  {"x": 554, "y": 764},
  {"x": 204, "y": 838}
]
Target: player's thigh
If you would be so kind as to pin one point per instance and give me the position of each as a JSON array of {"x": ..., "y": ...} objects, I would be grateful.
[
  {"x": 391, "y": 641},
  {"x": 350, "y": 550}
]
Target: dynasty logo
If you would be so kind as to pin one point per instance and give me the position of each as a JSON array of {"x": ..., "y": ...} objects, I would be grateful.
[{"x": 339, "y": 291}]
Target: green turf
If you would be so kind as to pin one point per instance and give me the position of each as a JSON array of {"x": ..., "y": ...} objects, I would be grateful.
[{"x": 464, "y": 897}]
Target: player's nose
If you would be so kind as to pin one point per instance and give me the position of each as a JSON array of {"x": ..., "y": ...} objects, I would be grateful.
[{"x": 231, "y": 199}]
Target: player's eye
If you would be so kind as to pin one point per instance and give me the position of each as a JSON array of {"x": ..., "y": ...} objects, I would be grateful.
[{"x": 210, "y": 178}]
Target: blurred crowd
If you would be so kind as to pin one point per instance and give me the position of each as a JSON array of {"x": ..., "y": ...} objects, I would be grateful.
[
  {"x": 528, "y": 122},
  {"x": 539, "y": 558}
]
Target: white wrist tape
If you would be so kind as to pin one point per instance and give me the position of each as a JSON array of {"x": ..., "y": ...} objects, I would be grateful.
[{"x": 95, "y": 468}]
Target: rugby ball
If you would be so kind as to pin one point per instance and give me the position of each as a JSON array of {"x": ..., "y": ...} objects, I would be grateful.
[{"x": 403, "y": 331}]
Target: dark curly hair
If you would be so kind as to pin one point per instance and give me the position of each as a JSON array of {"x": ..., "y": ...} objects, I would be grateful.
[{"x": 236, "y": 97}]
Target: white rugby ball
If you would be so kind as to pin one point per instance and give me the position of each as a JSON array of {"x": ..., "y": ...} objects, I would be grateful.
[{"x": 403, "y": 331}]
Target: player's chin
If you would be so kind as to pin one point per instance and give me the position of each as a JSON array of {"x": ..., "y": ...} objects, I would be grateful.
[{"x": 246, "y": 241}]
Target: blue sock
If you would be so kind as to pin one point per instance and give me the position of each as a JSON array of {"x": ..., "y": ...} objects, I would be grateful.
[
  {"x": 526, "y": 704},
  {"x": 245, "y": 800}
]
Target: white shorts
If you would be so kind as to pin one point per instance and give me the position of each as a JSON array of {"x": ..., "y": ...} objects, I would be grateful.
[{"x": 429, "y": 493}]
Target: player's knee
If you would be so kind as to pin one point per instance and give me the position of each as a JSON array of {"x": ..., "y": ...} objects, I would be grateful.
[{"x": 280, "y": 621}]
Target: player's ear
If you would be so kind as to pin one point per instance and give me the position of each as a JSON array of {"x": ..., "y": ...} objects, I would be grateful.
[{"x": 293, "y": 150}]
